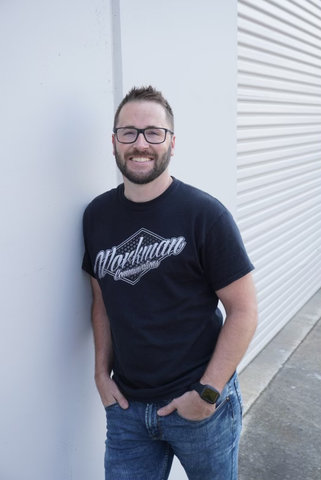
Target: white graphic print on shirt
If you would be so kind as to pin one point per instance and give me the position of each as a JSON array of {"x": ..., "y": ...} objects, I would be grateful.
[{"x": 140, "y": 253}]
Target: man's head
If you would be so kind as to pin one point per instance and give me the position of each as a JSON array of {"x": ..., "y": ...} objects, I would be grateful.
[
  {"x": 148, "y": 94},
  {"x": 139, "y": 158}
]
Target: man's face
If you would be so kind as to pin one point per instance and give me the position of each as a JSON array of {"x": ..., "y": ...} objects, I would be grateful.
[{"x": 142, "y": 162}]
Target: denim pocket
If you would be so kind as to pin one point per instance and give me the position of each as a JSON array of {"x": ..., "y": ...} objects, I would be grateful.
[
  {"x": 217, "y": 409},
  {"x": 111, "y": 405}
]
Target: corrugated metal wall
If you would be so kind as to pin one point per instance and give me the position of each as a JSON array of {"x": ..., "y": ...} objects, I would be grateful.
[{"x": 279, "y": 155}]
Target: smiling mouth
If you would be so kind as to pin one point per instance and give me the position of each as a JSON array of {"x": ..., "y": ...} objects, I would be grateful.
[{"x": 141, "y": 159}]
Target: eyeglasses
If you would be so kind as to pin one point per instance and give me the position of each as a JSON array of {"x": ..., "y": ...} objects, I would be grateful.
[{"x": 151, "y": 135}]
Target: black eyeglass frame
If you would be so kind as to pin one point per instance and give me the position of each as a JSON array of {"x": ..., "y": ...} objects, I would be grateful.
[{"x": 142, "y": 130}]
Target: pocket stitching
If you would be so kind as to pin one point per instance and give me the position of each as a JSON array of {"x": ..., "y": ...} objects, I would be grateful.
[{"x": 239, "y": 396}]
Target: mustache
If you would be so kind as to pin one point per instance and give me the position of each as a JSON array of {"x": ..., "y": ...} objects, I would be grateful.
[{"x": 140, "y": 153}]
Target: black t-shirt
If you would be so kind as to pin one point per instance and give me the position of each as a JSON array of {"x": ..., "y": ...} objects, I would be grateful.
[{"x": 159, "y": 264}]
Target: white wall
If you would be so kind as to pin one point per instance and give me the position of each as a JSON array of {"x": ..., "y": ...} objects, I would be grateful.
[
  {"x": 56, "y": 111},
  {"x": 57, "y": 103},
  {"x": 188, "y": 50}
]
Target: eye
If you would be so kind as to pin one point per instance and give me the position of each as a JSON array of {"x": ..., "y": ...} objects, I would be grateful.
[
  {"x": 154, "y": 132},
  {"x": 128, "y": 132}
]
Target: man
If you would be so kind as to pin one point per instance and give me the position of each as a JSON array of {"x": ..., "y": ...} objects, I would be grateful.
[{"x": 161, "y": 254}]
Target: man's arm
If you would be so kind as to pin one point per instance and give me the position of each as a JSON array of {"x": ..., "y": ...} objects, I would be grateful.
[
  {"x": 107, "y": 388},
  {"x": 239, "y": 301}
]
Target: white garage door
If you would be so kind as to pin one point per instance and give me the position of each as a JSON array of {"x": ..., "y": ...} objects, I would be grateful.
[{"x": 279, "y": 155}]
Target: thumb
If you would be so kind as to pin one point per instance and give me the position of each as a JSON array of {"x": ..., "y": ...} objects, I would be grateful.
[{"x": 162, "y": 412}]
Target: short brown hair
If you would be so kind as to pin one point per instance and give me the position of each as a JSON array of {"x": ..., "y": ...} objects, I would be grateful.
[{"x": 149, "y": 94}]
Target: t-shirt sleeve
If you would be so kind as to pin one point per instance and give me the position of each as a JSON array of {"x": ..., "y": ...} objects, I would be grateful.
[
  {"x": 224, "y": 257},
  {"x": 86, "y": 262}
]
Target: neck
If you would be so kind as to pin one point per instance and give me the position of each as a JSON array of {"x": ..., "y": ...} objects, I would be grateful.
[{"x": 146, "y": 193}]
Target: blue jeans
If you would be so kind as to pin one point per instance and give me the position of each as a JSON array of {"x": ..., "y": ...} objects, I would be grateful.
[{"x": 140, "y": 445}]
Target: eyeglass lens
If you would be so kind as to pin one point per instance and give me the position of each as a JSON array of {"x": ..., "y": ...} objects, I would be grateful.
[{"x": 152, "y": 135}]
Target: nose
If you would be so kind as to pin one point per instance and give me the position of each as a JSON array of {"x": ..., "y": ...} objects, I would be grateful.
[{"x": 141, "y": 142}]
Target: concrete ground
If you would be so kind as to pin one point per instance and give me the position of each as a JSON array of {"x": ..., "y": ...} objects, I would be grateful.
[{"x": 281, "y": 389}]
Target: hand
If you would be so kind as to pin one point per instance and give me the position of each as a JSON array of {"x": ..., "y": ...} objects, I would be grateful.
[
  {"x": 109, "y": 392},
  {"x": 190, "y": 406}
]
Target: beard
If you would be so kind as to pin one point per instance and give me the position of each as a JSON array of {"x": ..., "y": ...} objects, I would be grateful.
[{"x": 142, "y": 178}]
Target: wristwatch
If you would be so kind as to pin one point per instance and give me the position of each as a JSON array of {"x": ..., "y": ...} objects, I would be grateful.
[{"x": 206, "y": 392}]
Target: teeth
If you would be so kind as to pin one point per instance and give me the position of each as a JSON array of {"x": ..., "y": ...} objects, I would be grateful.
[{"x": 140, "y": 159}]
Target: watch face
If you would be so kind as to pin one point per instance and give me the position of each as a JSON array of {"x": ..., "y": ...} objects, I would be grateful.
[{"x": 210, "y": 395}]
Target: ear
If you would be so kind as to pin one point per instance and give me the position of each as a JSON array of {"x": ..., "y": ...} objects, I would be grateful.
[
  {"x": 113, "y": 140},
  {"x": 173, "y": 145}
]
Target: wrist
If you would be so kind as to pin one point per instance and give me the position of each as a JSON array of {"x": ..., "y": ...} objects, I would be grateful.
[
  {"x": 206, "y": 392},
  {"x": 102, "y": 375},
  {"x": 214, "y": 382}
]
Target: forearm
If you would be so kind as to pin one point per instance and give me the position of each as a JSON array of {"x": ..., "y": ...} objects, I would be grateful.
[
  {"x": 107, "y": 388},
  {"x": 239, "y": 300},
  {"x": 232, "y": 343},
  {"x": 102, "y": 339}
]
